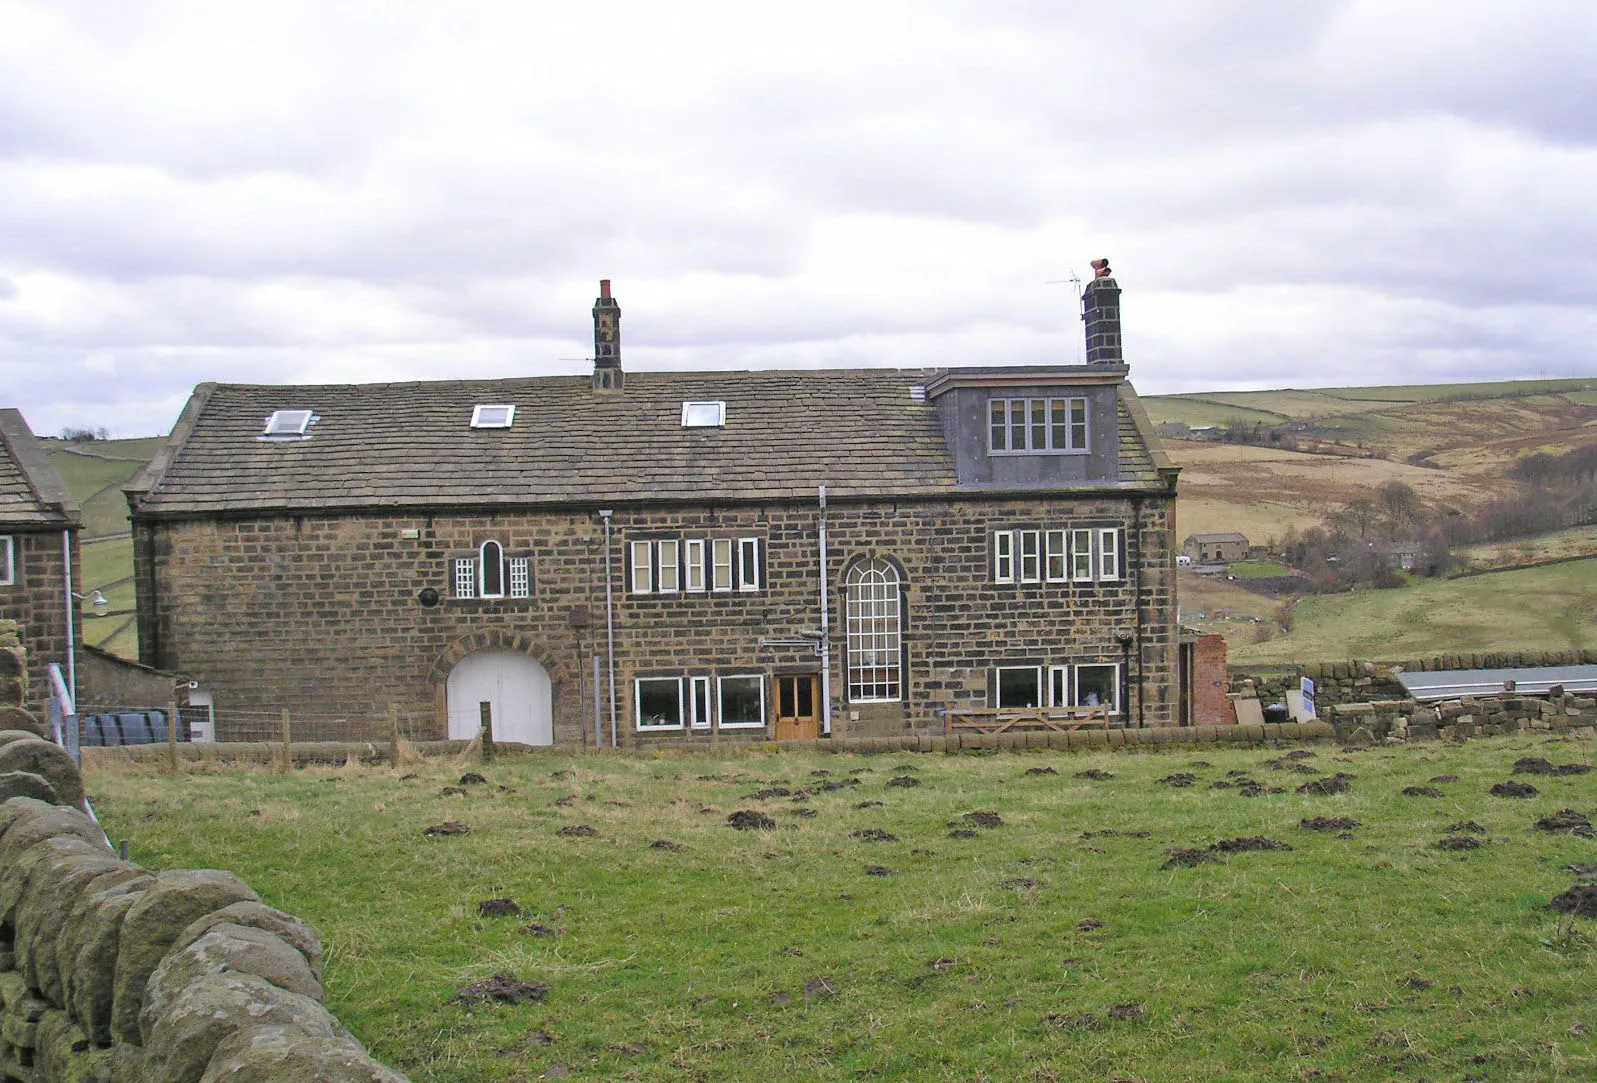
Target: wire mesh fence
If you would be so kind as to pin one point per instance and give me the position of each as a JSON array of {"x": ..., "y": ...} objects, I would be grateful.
[{"x": 283, "y": 736}]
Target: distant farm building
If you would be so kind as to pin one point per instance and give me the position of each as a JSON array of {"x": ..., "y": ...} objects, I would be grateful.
[{"x": 1216, "y": 548}]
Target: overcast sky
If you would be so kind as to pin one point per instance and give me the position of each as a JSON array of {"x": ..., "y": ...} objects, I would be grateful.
[{"x": 1291, "y": 194}]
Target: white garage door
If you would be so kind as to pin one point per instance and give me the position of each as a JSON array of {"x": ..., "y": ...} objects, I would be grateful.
[{"x": 516, "y": 686}]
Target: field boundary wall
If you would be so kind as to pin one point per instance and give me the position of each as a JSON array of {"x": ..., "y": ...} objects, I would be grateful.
[{"x": 110, "y": 973}]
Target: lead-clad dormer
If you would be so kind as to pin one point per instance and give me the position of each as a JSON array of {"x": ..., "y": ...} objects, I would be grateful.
[{"x": 1042, "y": 426}]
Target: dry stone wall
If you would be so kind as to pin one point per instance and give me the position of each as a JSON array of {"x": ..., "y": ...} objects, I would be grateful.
[
  {"x": 1363, "y": 681},
  {"x": 110, "y": 973},
  {"x": 1470, "y": 716},
  {"x": 14, "y": 681}
]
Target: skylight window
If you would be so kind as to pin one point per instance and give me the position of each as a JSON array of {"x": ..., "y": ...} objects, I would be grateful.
[
  {"x": 288, "y": 423},
  {"x": 703, "y": 415},
  {"x": 493, "y": 417}
]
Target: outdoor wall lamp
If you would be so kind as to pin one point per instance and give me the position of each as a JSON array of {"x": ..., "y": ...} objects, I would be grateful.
[{"x": 96, "y": 599}]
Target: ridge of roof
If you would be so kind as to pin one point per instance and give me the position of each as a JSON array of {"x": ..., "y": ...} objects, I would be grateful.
[{"x": 53, "y": 503}]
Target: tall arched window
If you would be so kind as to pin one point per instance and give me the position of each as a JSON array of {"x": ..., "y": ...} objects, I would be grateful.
[
  {"x": 492, "y": 571},
  {"x": 874, "y": 632}
]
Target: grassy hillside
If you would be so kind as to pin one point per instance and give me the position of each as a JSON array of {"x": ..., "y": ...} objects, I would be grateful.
[
  {"x": 95, "y": 471},
  {"x": 1550, "y": 608}
]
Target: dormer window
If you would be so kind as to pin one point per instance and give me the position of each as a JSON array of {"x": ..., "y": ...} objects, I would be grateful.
[
  {"x": 1036, "y": 426},
  {"x": 288, "y": 423},
  {"x": 500, "y": 416},
  {"x": 703, "y": 415}
]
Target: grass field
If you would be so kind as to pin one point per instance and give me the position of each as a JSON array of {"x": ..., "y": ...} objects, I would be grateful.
[
  {"x": 1550, "y": 608},
  {"x": 1052, "y": 945}
]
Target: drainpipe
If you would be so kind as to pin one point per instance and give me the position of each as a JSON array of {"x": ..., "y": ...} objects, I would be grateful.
[
  {"x": 1137, "y": 598},
  {"x": 826, "y": 632},
  {"x": 72, "y": 649},
  {"x": 609, "y": 629}
]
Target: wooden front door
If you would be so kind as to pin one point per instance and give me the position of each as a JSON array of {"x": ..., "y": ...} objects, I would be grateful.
[{"x": 798, "y": 707}]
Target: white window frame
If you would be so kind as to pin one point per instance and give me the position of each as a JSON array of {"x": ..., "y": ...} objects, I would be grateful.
[
  {"x": 721, "y": 547},
  {"x": 1108, "y": 554},
  {"x": 499, "y": 415},
  {"x": 1056, "y": 548},
  {"x": 520, "y": 576},
  {"x": 482, "y": 569},
  {"x": 1059, "y": 686},
  {"x": 874, "y": 612},
  {"x": 8, "y": 560},
  {"x": 668, "y": 570},
  {"x": 998, "y": 686},
  {"x": 720, "y": 699},
  {"x": 642, "y": 581},
  {"x": 1003, "y": 556},
  {"x": 637, "y": 705},
  {"x": 699, "y": 703},
  {"x": 748, "y": 564},
  {"x": 1081, "y": 562},
  {"x": 288, "y": 423},
  {"x": 1114, "y": 684},
  {"x": 693, "y": 561},
  {"x": 1029, "y": 544},
  {"x": 1027, "y": 426},
  {"x": 704, "y": 415},
  {"x": 465, "y": 577}
]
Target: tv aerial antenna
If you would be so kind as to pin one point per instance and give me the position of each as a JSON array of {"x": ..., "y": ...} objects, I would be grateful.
[{"x": 1075, "y": 282}]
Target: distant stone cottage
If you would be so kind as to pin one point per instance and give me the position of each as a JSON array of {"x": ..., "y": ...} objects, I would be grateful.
[
  {"x": 1216, "y": 548},
  {"x": 634, "y": 557}
]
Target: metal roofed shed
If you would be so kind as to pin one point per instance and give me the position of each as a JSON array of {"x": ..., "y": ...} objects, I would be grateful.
[{"x": 1533, "y": 681}]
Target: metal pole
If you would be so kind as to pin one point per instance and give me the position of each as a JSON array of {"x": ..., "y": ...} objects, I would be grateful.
[
  {"x": 825, "y": 644},
  {"x": 72, "y": 650},
  {"x": 288, "y": 745}
]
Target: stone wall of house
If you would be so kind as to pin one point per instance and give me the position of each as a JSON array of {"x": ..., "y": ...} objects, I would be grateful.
[
  {"x": 36, "y": 602},
  {"x": 110, "y": 973},
  {"x": 321, "y": 614}
]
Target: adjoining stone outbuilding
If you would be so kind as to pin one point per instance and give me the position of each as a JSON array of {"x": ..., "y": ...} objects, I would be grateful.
[
  {"x": 39, "y": 566},
  {"x": 644, "y": 556}
]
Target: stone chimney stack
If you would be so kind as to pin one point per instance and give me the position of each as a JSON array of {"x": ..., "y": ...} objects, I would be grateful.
[
  {"x": 1100, "y": 311},
  {"x": 607, "y": 374}
]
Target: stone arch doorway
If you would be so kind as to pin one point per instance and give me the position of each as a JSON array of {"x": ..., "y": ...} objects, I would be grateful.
[{"x": 517, "y": 688}]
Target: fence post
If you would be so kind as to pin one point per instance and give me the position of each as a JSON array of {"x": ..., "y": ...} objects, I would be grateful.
[
  {"x": 485, "y": 710},
  {"x": 288, "y": 746},
  {"x": 393, "y": 735},
  {"x": 171, "y": 735}
]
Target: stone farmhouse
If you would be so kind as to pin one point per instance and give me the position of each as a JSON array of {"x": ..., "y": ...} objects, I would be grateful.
[
  {"x": 39, "y": 565},
  {"x": 636, "y": 557},
  {"x": 1216, "y": 548}
]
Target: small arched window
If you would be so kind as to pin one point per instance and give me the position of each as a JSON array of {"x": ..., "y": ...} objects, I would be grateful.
[
  {"x": 875, "y": 640},
  {"x": 491, "y": 571}
]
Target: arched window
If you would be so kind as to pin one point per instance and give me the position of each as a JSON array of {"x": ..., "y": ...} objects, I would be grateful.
[
  {"x": 491, "y": 569},
  {"x": 874, "y": 632}
]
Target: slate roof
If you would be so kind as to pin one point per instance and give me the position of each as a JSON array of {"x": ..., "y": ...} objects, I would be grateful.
[
  {"x": 32, "y": 493},
  {"x": 861, "y": 432}
]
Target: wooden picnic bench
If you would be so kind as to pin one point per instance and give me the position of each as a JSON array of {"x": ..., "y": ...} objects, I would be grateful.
[{"x": 1012, "y": 719}]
